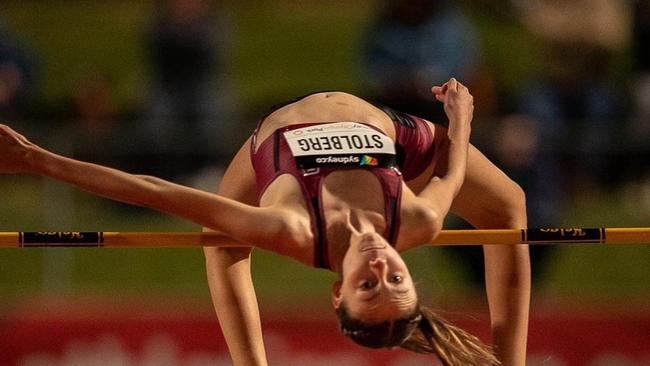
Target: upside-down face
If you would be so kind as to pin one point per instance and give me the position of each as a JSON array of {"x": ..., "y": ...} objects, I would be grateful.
[{"x": 376, "y": 284}]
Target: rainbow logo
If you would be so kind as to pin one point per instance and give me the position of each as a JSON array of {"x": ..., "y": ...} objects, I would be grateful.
[{"x": 368, "y": 160}]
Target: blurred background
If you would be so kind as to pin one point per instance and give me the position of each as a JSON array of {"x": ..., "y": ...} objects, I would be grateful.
[{"x": 173, "y": 88}]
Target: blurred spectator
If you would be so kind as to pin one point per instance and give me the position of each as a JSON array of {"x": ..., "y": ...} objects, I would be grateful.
[
  {"x": 16, "y": 76},
  {"x": 572, "y": 97},
  {"x": 415, "y": 44},
  {"x": 187, "y": 113},
  {"x": 640, "y": 128},
  {"x": 638, "y": 135},
  {"x": 516, "y": 151},
  {"x": 93, "y": 104},
  {"x": 98, "y": 122}
]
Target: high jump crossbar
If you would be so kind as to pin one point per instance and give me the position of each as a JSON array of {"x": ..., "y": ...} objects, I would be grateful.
[{"x": 551, "y": 236}]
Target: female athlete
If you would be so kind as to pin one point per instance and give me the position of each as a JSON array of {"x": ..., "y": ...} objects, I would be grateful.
[{"x": 336, "y": 182}]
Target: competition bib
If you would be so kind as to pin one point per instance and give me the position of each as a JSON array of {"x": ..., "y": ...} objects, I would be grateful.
[{"x": 340, "y": 144}]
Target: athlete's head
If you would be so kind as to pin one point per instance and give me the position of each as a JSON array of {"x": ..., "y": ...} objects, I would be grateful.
[
  {"x": 378, "y": 307},
  {"x": 376, "y": 289}
]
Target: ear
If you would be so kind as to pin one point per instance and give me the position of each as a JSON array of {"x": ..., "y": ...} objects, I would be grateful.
[{"x": 336, "y": 294}]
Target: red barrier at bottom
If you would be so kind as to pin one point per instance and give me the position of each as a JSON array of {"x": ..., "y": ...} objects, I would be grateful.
[{"x": 137, "y": 338}]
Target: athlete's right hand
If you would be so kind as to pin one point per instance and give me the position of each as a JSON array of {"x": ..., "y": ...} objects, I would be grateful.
[
  {"x": 458, "y": 102},
  {"x": 15, "y": 151}
]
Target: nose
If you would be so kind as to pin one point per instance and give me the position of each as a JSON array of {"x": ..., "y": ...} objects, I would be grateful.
[{"x": 379, "y": 267}]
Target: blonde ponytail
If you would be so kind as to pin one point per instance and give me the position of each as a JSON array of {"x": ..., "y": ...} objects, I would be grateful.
[{"x": 452, "y": 345}]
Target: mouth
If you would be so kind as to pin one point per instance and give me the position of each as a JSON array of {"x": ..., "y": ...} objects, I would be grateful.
[{"x": 371, "y": 241}]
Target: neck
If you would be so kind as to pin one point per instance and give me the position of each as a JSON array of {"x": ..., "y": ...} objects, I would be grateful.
[
  {"x": 344, "y": 231},
  {"x": 352, "y": 205}
]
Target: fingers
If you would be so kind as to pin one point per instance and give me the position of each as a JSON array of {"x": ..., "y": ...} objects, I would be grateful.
[
  {"x": 452, "y": 84},
  {"x": 456, "y": 86},
  {"x": 8, "y": 132},
  {"x": 437, "y": 90},
  {"x": 438, "y": 93},
  {"x": 5, "y": 131}
]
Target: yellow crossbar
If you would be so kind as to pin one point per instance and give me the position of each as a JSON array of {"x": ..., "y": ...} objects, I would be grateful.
[{"x": 551, "y": 236}]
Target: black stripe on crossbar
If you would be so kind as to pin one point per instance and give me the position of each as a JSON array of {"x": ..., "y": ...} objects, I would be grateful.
[
  {"x": 61, "y": 239},
  {"x": 564, "y": 235}
]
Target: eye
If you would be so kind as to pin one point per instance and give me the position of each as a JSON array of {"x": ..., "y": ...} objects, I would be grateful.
[
  {"x": 396, "y": 279},
  {"x": 367, "y": 285}
]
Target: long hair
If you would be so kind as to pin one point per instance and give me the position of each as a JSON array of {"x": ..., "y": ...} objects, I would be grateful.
[{"x": 421, "y": 331}]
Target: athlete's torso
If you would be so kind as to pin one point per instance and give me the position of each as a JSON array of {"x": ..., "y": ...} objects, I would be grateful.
[{"x": 324, "y": 194}]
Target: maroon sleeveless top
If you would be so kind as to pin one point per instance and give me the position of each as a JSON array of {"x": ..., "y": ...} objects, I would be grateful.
[{"x": 415, "y": 148}]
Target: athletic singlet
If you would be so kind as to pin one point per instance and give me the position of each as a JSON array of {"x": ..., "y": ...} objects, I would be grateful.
[{"x": 415, "y": 148}]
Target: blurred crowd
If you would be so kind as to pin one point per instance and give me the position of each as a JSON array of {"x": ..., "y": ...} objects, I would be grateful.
[{"x": 576, "y": 122}]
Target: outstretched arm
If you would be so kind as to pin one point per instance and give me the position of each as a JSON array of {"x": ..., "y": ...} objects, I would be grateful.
[{"x": 234, "y": 219}]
